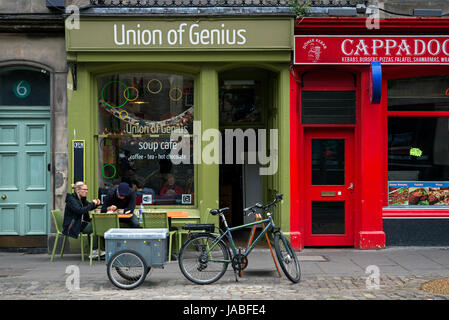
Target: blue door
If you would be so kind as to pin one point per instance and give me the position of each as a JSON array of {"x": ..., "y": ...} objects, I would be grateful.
[{"x": 24, "y": 152}]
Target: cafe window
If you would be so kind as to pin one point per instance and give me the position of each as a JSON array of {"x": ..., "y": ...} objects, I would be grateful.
[
  {"x": 137, "y": 114},
  {"x": 24, "y": 86},
  {"x": 419, "y": 94},
  {"x": 418, "y": 149}
]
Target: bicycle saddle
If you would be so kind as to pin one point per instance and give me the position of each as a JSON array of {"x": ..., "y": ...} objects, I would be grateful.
[{"x": 214, "y": 212}]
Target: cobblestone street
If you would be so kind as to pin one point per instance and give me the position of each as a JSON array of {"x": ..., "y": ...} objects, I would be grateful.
[{"x": 334, "y": 274}]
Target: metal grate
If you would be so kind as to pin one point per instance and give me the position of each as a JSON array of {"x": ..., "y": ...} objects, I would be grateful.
[
  {"x": 328, "y": 107},
  {"x": 221, "y": 3}
]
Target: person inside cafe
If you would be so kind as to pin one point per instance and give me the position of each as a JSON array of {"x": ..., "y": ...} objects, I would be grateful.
[
  {"x": 76, "y": 213},
  {"x": 170, "y": 188},
  {"x": 122, "y": 197}
]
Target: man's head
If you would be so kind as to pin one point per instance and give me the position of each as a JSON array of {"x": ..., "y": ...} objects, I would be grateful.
[{"x": 123, "y": 190}]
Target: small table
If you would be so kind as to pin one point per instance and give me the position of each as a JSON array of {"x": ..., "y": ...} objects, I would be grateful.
[
  {"x": 177, "y": 214},
  {"x": 125, "y": 215},
  {"x": 170, "y": 214}
]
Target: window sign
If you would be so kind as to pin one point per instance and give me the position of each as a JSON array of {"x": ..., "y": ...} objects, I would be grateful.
[
  {"x": 137, "y": 114},
  {"x": 418, "y": 193}
]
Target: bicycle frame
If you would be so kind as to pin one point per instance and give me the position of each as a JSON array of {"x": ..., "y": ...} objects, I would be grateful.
[{"x": 228, "y": 235}]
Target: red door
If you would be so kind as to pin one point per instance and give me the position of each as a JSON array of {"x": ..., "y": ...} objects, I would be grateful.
[{"x": 329, "y": 186}]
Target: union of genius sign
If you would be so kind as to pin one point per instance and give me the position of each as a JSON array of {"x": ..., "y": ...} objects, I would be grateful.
[
  {"x": 365, "y": 49},
  {"x": 162, "y": 34},
  {"x": 192, "y": 34}
]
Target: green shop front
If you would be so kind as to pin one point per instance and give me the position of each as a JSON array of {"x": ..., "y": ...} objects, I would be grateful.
[{"x": 192, "y": 112}]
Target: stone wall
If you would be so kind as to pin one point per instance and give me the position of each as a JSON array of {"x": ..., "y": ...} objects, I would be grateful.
[
  {"x": 32, "y": 35},
  {"x": 404, "y": 8}
]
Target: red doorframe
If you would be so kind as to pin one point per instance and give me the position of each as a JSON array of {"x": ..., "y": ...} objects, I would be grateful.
[
  {"x": 369, "y": 164},
  {"x": 342, "y": 193}
]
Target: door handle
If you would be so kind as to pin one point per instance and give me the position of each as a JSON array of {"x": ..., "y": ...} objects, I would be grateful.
[
  {"x": 351, "y": 186},
  {"x": 4, "y": 196}
]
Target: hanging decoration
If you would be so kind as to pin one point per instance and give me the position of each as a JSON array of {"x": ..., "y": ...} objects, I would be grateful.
[{"x": 136, "y": 125}]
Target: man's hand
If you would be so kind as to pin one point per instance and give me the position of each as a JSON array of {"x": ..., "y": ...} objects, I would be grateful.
[
  {"x": 97, "y": 202},
  {"x": 112, "y": 208}
]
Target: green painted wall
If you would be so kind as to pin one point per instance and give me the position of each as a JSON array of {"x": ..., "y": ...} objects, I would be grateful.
[{"x": 204, "y": 67}]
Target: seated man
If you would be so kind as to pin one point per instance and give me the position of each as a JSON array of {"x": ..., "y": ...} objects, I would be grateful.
[{"x": 122, "y": 197}]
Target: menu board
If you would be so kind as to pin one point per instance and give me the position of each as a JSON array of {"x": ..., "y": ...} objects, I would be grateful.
[
  {"x": 78, "y": 158},
  {"x": 418, "y": 193}
]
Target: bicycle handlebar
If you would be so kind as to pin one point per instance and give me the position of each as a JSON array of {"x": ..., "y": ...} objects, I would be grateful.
[
  {"x": 257, "y": 205},
  {"x": 265, "y": 207}
]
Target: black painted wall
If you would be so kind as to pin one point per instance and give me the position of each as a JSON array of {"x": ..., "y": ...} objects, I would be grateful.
[{"x": 416, "y": 232}]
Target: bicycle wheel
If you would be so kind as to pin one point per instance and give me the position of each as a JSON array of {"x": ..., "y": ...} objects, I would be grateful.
[
  {"x": 127, "y": 269},
  {"x": 287, "y": 258},
  {"x": 200, "y": 265}
]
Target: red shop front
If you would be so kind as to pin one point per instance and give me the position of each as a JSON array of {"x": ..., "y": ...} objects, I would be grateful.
[{"x": 370, "y": 133}]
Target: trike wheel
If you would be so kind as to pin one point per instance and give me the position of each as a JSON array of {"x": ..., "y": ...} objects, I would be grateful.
[
  {"x": 127, "y": 269},
  {"x": 201, "y": 262}
]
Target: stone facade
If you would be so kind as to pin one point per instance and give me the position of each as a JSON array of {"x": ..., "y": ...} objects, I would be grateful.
[{"x": 32, "y": 35}]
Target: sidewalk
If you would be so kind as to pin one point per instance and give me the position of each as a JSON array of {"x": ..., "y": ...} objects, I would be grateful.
[{"x": 326, "y": 274}]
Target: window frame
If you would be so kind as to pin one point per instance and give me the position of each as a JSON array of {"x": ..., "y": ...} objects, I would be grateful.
[
  {"x": 97, "y": 136},
  {"x": 432, "y": 211}
]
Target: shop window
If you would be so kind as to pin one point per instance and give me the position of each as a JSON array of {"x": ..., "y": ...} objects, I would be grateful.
[
  {"x": 328, "y": 107},
  {"x": 418, "y": 161},
  {"x": 240, "y": 102},
  {"x": 24, "y": 86},
  {"x": 419, "y": 94},
  {"x": 137, "y": 114}
]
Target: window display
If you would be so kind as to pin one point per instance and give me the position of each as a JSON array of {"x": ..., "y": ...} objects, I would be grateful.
[
  {"x": 137, "y": 114},
  {"x": 418, "y": 161}
]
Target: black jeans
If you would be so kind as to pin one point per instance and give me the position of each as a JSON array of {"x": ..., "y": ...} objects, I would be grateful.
[
  {"x": 132, "y": 222},
  {"x": 88, "y": 230}
]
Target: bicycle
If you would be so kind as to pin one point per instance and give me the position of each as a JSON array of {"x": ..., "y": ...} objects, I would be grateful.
[{"x": 204, "y": 257}]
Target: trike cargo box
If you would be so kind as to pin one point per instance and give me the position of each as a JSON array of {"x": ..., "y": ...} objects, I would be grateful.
[{"x": 151, "y": 244}]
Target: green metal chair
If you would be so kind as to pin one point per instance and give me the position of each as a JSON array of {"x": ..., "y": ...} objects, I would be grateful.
[
  {"x": 179, "y": 233},
  {"x": 57, "y": 219},
  {"x": 158, "y": 220},
  {"x": 102, "y": 222}
]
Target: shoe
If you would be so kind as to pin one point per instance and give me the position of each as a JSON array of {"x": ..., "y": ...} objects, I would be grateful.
[
  {"x": 94, "y": 254},
  {"x": 102, "y": 255}
]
